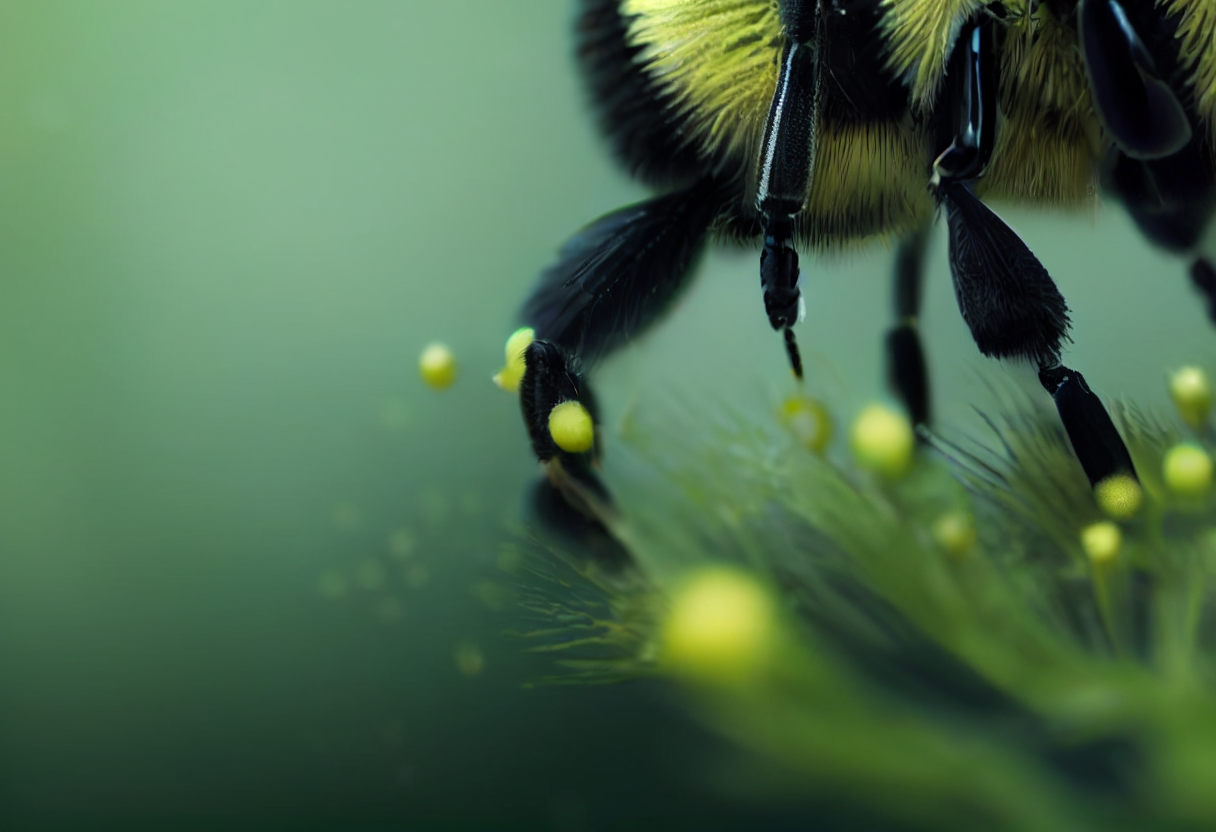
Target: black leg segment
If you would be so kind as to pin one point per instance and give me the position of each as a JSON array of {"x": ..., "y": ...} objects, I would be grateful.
[
  {"x": 551, "y": 378},
  {"x": 1095, "y": 441},
  {"x": 788, "y": 155},
  {"x": 1006, "y": 297},
  {"x": 1130, "y": 91},
  {"x": 1005, "y": 294},
  {"x": 907, "y": 371}
]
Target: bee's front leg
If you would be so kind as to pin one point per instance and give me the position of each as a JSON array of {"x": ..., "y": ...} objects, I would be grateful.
[{"x": 787, "y": 159}]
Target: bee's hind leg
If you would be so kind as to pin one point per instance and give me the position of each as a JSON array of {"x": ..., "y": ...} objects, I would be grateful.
[
  {"x": 1014, "y": 310},
  {"x": 612, "y": 280},
  {"x": 1172, "y": 201},
  {"x": 1203, "y": 277},
  {"x": 907, "y": 371},
  {"x": 562, "y": 420},
  {"x": 1006, "y": 296}
]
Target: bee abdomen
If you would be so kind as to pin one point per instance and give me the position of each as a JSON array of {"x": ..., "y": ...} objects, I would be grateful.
[{"x": 634, "y": 112}]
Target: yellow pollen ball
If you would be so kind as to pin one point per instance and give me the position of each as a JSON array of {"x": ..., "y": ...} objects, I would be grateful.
[
  {"x": 1191, "y": 390},
  {"x": 955, "y": 532},
  {"x": 883, "y": 441},
  {"x": 1101, "y": 541},
  {"x": 1188, "y": 470},
  {"x": 437, "y": 366},
  {"x": 571, "y": 427},
  {"x": 721, "y": 628},
  {"x": 512, "y": 372},
  {"x": 808, "y": 420},
  {"x": 1119, "y": 496}
]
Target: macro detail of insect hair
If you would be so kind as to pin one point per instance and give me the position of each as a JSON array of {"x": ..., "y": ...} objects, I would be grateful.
[
  {"x": 786, "y": 161},
  {"x": 1006, "y": 296},
  {"x": 811, "y": 126}
]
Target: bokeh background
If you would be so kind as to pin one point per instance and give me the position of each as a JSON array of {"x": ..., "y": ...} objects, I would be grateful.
[{"x": 247, "y": 560}]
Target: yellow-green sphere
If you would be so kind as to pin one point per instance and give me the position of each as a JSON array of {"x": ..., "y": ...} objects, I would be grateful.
[
  {"x": 721, "y": 628},
  {"x": 1101, "y": 541},
  {"x": 954, "y": 531},
  {"x": 571, "y": 427},
  {"x": 1188, "y": 470},
  {"x": 437, "y": 365},
  {"x": 1191, "y": 390},
  {"x": 883, "y": 441},
  {"x": 512, "y": 372},
  {"x": 809, "y": 422},
  {"x": 1119, "y": 496}
]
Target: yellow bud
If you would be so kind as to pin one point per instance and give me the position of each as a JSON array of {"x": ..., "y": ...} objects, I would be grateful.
[
  {"x": 571, "y": 427},
  {"x": 808, "y": 420},
  {"x": 1101, "y": 541},
  {"x": 512, "y": 371},
  {"x": 437, "y": 366},
  {"x": 721, "y": 628},
  {"x": 1188, "y": 470},
  {"x": 1191, "y": 390},
  {"x": 883, "y": 441},
  {"x": 955, "y": 532},
  {"x": 1119, "y": 496}
]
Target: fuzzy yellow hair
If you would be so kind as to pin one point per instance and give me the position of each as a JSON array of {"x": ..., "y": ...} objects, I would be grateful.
[
  {"x": 920, "y": 34},
  {"x": 1049, "y": 143},
  {"x": 1197, "y": 49},
  {"x": 869, "y": 180},
  {"x": 718, "y": 58}
]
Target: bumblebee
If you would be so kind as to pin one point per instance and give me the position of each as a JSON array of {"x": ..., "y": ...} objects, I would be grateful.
[{"x": 810, "y": 125}]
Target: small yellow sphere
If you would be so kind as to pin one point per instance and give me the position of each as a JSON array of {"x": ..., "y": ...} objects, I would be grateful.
[
  {"x": 809, "y": 422},
  {"x": 571, "y": 427},
  {"x": 721, "y": 628},
  {"x": 512, "y": 372},
  {"x": 1119, "y": 496},
  {"x": 955, "y": 532},
  {"x": 437, "y": 366},
  {"x": 1188, "y": 470},
  {"x": 1191, "y": 390},
  {"x": 883, "y": 441},
  {"x": 1101, "y": 541}
]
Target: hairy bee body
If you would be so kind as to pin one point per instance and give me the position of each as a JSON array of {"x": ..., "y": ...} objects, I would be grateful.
[
  {"x": 821, "y": 124},
  {"x": 682, "y": 88}
]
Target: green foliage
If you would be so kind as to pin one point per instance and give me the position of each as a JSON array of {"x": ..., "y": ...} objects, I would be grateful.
[{"x": 1005, "y": 679}]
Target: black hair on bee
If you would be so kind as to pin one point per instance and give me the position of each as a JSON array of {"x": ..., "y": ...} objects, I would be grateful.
[{"x": 811, "y": 125}]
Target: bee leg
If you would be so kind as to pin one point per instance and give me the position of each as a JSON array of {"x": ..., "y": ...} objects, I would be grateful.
[
  {"x": 1172, "y": 201},
  {"x": 1095, "y": 440},
  {"x": 906, "y": 369},
  {"x": 788, "y": 156},
  {"x": 1006, "y": 296},
  {"x": 1014, "y": 310},
  {"x": 612, "y": 280},
  {"x": 1203, "y": 275},
  {"x": 1136, "y": 104},
  {"x": 559, "y": 524},
  {"x": 561, "y": 416},
  {"x": 616, "y": 277}
]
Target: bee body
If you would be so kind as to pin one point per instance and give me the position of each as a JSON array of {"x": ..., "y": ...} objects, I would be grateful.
[
  {"x": 822, "y": 124},
  {"x": 703, "y": 74}
]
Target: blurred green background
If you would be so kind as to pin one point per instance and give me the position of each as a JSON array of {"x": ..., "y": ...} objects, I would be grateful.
[{"x": 243, "y": 550}]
